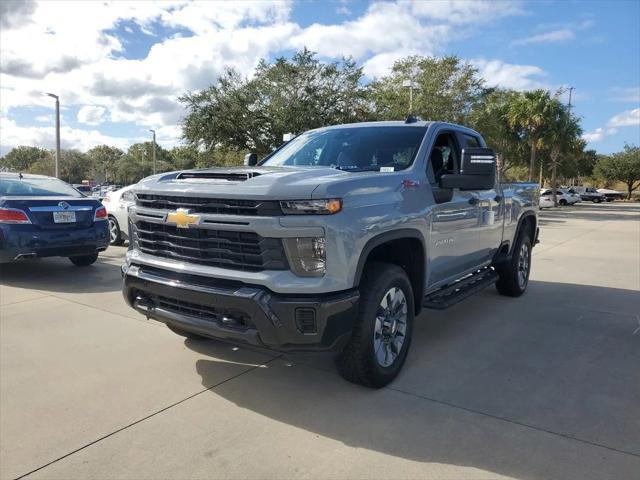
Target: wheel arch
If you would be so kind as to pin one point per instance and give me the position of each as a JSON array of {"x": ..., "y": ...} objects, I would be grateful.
[
  {"x": 527, "y": 221},
  {"x": 403, "y": 247}
]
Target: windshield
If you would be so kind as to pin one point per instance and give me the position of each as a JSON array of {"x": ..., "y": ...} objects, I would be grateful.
[
  {"x": 352, "y": 148},
  {"x": 36, "y": 187}
]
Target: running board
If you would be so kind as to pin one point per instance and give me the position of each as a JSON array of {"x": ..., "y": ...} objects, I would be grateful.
[{"x": 454, "y": 293}]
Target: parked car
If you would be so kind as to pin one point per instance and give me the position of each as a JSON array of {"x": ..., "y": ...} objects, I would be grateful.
[
  {"x": 46, "y": 217},
  {"x": 572, "y": 195},
  {"x": 611, "y": 195},
  {"x": 589, "y": 194},
  {"x": 117, "y": 203},
  {"x": 562, "y": 197},
  {"x": 335, "y": 242},
  {"x": 545, "y": 201}
]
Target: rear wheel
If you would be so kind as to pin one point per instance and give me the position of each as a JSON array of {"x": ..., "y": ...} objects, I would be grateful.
[
  {"x": 115, "y": 236},
  {"x": 596, "y": 200},
  {"x": 514, "y": 276},
  {"x": 563, "y": 202},
  {"x": 382, "y": 332},
  {"x": 84, "y": 260}
]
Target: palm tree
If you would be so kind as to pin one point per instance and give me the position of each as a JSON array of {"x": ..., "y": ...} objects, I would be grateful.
[
  {"x": 562, "y": 135},
  {"x": 530, "y": 113}
]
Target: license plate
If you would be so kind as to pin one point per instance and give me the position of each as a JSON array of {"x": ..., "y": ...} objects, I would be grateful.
[{"x": 64, "y": 217}]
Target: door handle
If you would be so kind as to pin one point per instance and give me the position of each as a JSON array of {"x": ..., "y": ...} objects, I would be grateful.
[
  {"x": 449, "y": 216},
  {"x": 473, "y": 201}
]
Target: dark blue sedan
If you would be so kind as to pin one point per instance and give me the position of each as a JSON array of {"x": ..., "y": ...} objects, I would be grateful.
[{"x": 46, "y": 217}]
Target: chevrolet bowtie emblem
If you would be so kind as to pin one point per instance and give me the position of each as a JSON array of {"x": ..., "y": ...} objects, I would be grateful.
[{"x": 182, "y": 218}]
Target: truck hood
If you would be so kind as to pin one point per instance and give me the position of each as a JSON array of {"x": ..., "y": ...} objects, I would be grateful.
[{"x": 273, "y": 183}]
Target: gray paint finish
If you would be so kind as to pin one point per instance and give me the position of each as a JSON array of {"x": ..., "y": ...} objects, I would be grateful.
[{"x": 458, "y": 236}]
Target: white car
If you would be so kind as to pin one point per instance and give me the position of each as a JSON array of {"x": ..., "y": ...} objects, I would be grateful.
[
  {"x": 573, "y": 196},
  {"x": 117, "y": 204},
  {"x": 546, "y": 198}
]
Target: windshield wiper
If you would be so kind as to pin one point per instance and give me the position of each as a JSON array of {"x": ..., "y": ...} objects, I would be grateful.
[{"x": 350, "y": 168}]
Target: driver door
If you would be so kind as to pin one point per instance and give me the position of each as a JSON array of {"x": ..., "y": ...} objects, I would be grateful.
[{"x": 453, "y": 246}]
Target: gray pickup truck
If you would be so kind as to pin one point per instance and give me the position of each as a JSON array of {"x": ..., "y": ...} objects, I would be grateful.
[{"x": 334, "y": 242}]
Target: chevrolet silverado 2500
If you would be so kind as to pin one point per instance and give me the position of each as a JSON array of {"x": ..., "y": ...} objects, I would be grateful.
[{"x": 334, "y": 242}]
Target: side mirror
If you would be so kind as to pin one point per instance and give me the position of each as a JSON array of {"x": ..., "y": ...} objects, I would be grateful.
[
  {"x": 478, "y": 161},
  {"x": 477, "y": 172},
  {"x": 250, "y": 159}
]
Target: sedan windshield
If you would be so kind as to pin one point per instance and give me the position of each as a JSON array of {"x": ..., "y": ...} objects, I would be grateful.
[
  {"x": 36, "y": 187},
  {"x": 352, "y": 148}
]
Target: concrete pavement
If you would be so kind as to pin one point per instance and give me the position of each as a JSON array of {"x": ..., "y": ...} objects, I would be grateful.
[{"x": 544, "y": 386}]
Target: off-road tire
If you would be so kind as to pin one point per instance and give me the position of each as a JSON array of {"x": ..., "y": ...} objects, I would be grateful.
[
  {"x": 357, "y": 362},
  {"x": 184, "y": 333},
  {"x": 113, "y": 223},
  {"x": 84, "y": 260},
  {"x": 509, "y": 282}
]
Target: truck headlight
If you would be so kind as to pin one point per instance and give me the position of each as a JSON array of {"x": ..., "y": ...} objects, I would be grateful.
[
  {"x": 311, "y": 207},
  {"x": 306, "y": 255}
]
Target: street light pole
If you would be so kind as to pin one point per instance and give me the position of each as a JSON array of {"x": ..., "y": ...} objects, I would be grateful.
[
  {"x": 154, "y": 150},
  {"x": 409, "y": 83},
  {"x": 571, "y": 89},
  {"x": 57, "y": 132}
]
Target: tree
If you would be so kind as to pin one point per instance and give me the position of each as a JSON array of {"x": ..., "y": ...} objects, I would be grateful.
[
  {"x": 490, "y": 118},
  {"x": 529, "y": 113},
  {"x": 622, "y": 167},
  {"x": 562, "y": 135},
  {"x": 445, "y": 89},
  {"x": 287, "y": 96},
  {"x": 22, "y": 158},
  {"x": 105, "y": 159}
]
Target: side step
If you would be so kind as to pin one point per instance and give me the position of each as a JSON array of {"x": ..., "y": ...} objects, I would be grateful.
[{"x": 452, "y": 294}]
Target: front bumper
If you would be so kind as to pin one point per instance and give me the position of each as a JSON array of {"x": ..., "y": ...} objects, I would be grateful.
[
  {"x": 27, "y": 241},
  {"x": 241, "y": 313}
]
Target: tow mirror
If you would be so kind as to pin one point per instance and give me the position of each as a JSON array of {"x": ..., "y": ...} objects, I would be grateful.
[
  {"x": 250, "y": 159},
  {"x": 477, "y": 171}
]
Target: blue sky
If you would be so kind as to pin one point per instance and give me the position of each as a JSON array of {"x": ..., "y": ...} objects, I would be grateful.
[{"x": 120, "y": 69}]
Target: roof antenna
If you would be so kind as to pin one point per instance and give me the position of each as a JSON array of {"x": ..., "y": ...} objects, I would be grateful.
[
  {"x": 411, "y": 118},
  {"x": 20, "y": 175}
]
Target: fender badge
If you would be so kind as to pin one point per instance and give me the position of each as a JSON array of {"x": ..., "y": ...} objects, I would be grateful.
[{"x": 410, "y": 183}]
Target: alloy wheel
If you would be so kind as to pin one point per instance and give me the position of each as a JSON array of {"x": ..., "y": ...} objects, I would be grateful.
[{"x": 391, "y": 327}]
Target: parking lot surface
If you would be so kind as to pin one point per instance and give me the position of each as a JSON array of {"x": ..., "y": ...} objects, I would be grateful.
[{"x": 543, "y": 386}]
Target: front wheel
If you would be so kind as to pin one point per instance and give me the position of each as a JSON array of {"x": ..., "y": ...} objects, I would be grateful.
[
  {"x": 514, "y": 276},
  {"x": 84, "y": 260},
  {"x": 563, "y": 202},
  {"x": 382, "y": 332}
]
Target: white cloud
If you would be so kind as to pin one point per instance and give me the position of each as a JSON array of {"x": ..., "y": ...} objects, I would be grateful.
[
  {"x": 12, "y": 135},
  {"x": 343, "y": 10},
  {"x": 547, "y": 37},
  {"x": 509, "y": 75},
  {"x": 91, "y": 114},
  {"x": 629, "y": 118},
  {"x": 44, "y": 118},
  {"x": 44, "y": 46}
]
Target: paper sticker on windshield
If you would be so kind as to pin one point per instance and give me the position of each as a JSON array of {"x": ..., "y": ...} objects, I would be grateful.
[{"x": 387, "y": 169}]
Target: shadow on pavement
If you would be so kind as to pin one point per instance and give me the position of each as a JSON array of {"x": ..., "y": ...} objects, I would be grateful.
[
  {"x": 548, "y": 362},
  {"x": 61, "y": 276}
]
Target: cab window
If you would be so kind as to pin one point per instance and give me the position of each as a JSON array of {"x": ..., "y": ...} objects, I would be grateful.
[{"x": 444, "y": 157}]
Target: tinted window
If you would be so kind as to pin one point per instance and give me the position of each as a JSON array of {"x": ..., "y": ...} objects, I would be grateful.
[
  {"x": 36, "y": 187},
  {"x": 352, "y": 149}
]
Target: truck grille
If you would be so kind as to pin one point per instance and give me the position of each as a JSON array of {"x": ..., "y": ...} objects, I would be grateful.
[
  {"x": 246, "y": 251},
  {"x": 221, "y": 206}
]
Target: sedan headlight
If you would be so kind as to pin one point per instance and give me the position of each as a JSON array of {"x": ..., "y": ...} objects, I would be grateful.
[
  {"x": 306, "y": 255},
  {"x": 311, "y": 207}
]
